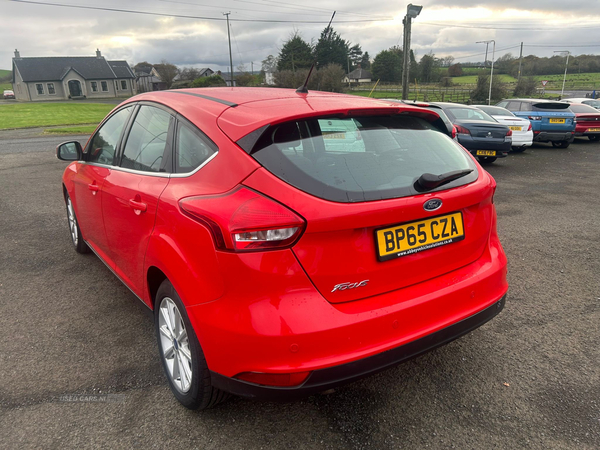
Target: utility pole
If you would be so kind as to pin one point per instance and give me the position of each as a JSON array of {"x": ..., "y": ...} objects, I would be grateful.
[
  {"x": 230, "y": 57},
  {"x": 486, "y": 52},
  {"x": 520, "y": 61},
  {"x": 252, "y": 67},
  {"x": 493, "y": 57},
  {"x": 412, "y": 11}
]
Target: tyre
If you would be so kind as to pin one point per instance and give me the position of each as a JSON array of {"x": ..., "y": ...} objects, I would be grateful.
[
  {"x": 181, "y": 354},
  {"x": 594, "y": 137},
  {"x": 76, "y": 239},
  {"x": 519, "y": 149},
  {"x": 560, "y": 144},
  {"x": 486, "y": 159}
]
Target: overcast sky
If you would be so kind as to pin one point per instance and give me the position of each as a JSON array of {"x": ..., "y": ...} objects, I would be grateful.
[{"x": 37, "y": 29}]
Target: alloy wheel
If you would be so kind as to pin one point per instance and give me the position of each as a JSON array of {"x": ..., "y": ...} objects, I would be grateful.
[
  {"x": 72, "y": 222},
  {"x": 175, "y": 345}
]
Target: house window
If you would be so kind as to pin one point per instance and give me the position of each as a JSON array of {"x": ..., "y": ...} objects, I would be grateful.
[
  {"x": 51, "y": 90},
  {"x": 124, "y": 84},
  {"x": 40, "y": 88},
  {"x": 104, "y": 85},
  {"x": 94, "y": 86}
]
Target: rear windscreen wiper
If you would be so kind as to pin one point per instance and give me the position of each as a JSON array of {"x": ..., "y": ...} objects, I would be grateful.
[{"x": 429, "y": 181}]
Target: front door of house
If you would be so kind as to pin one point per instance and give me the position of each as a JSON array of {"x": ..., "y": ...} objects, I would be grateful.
[{"x": 75, "y": 88}]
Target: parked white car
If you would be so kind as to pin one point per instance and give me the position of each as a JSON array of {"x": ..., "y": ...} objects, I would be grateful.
[
  {"x": 586, "y": 101},
  {"x": 522, "y": 136}
]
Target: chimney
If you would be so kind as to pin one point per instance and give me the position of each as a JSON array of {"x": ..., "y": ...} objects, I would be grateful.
[
  {"x": 17, "y": 54},
  {"x": 98, "y": 54},
  {"x": 358, "y": 66}
]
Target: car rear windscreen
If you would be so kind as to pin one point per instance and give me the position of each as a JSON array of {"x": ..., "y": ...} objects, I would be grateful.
[{"x": 360, "y": 158}]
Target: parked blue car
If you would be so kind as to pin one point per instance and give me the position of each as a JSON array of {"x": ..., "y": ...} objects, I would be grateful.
[{"x": 552, "y": 121}]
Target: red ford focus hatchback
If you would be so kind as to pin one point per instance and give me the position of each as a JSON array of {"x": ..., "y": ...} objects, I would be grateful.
[{"x": 287, "y": 242}]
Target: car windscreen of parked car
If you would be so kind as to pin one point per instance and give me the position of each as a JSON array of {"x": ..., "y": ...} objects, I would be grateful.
[
  {"x": 583, "y": 109},
  {"x": 459, "y": 113},
  {"x": 360, "y": 158},
  {"x": 495, "y": 111}
]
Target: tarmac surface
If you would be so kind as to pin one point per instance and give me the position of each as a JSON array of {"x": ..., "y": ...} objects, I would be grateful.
[{"x": 79, "y": 365}]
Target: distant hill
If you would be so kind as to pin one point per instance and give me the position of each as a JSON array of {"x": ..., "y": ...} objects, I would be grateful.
[{"x": 5, "y": 73}]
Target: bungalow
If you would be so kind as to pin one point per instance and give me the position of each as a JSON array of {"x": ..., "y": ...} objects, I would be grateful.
[
  {"x": 70, "y": 77},
  {"x": 358, "y": 75}
]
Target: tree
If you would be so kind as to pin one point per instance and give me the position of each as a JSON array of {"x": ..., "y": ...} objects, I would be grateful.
[
  {"x": 295, "y": 54},
  {"x": 447, "y": 61},
  {"x": 331, "y": 49},
  {"x": 167, "y": 72},
  {"x": 365, "y": 61},
  {"x": 141, "y": 66},
  {"x": 481, "y": 92},
  {"x": 427, "y": 66},
  {"x": 213, "y": 80},
  {"x": 356, "y": 55},
  {"x": 331, "y": 78},
  {"x": 387, "y": 65},
  {"x": 189, "y": 73},
  {"x": 525, "y": 87},
  {"x": 269, "y": 64},
  {"x": 455, "y": 70}
]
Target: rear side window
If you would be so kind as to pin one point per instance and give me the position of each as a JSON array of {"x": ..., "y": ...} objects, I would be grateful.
[
  {"x": 583, "y": 109},
  {"x": 102, "y": 148},
  {"x": 361, "y": 158},
  {"x": 192, "y": 149},
  {"x": 145, "y": 147}
]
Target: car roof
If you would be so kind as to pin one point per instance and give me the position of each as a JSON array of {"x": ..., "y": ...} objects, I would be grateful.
[
  {"x": 534, "y": 100},
  {"x": 449, "y": 104},
  {"x": 241, "y": 110}
]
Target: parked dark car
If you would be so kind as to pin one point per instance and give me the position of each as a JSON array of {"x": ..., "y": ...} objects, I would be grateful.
[
  {"x": 448, "y": 126},
  {"x": 588, "y": 121},
  {"x": 478, "y": 132},
  {"x": 551, "y": 121}
]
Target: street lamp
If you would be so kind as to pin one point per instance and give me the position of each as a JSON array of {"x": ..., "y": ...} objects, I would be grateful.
[
  {"x": 492, "y": 71},
  {"x": 562, "y": 52},
  {"x": 412, "y": 11}
]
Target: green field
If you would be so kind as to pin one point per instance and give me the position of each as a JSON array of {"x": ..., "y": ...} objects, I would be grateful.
[
  {"x": 573, "y": 81},
  {"x": 5, "y": 84},
  {"x": 27, "y": 115},
  {"x": 472, "y": 79}
]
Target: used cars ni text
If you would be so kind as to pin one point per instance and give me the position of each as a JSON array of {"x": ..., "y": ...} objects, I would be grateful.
[
  {"x": 287, "y": 242},
  {"x": 478, "y": 132}
]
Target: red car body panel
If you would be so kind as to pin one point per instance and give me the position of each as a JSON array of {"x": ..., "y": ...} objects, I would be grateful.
[
  {"x": 588, "y": 124},
  {"x": 273, "y": 311}
]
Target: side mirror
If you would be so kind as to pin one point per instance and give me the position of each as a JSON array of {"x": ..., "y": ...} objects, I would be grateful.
[{"x": 69, "y": 151}]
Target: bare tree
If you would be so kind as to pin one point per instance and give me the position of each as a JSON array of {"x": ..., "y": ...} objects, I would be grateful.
[{"x": 167, "y": 72}]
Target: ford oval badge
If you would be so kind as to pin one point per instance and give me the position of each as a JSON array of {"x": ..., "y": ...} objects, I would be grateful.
[{"x": 432, "y": 205}]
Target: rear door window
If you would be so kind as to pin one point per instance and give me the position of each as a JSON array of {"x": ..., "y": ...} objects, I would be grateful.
[
  {"x": 147, "y": 140},
  {"x": 192, "y": 149},
  {"x": 361, "y": 158}
]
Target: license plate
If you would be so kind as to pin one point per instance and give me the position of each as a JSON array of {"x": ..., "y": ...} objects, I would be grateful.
[
  {"x": 515, "y": 128},
  {"x": 413, "y": 237},
  {"x": 593, "y": 129},
  {"x": 557, "y": 120},
  {"x": 486, "y": 153},
  {"x": 334, "y": 135}
]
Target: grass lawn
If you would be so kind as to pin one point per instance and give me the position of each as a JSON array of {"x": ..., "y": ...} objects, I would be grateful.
[
  {"x": 5, "y": 84},
  {"x": 472, "y": 79},
  {"x": 85, "y": 129},
  {"x": 25, "y": 115}
]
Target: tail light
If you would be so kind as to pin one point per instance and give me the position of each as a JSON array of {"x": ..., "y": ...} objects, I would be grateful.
[
  {"x": 454, "y": 132},
  {"x": 243, "y": 220},
  {"x": 530, "y": 127},
  {"x": 274, "y": 379},
  {"x": 461, "y": 130},
  {"x": 509, "y": 133},
  {"x": 535, "y": 117}
]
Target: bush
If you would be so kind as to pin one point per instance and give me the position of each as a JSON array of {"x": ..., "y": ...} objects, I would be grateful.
[
  {"x": 525, "y": 87},
  {"x": 213, "y": 80},
  {"x": 481, "y": 92}
]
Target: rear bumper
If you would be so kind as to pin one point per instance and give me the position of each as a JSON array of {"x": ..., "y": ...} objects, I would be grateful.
[
  {"x": 472, "y": 145},
  {"x": 330, "y": 377},
  {"x": 584, "y": 131},
  {"x": 553, "y": 136},
  {"x": 522, "y": 139}
]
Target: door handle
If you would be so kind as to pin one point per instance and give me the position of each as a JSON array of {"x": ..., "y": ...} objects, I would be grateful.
[
  {"x": 138, "y": 207},
  {"x": 93, "y": 187}
]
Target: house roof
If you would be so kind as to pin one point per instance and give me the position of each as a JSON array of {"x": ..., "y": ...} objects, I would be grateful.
[
  {"x": 359, "y": 74},
  {"x": 121, "y": 69},
  {"x": 56, "y": 68}
]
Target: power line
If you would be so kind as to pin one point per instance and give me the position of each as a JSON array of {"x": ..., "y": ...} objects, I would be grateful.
[
  {"x": 183, "y": 16},
  {"x": 237, "y": 9},
  {"x": 483, "y": 53},
  {"x": 493, "y": 27}
]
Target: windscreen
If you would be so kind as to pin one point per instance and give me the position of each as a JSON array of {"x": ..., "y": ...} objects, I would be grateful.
[
  {"x": 360, "y": 158},
  {"x": 468, "y": 114},
  {"x": 495, "y": 111},
  {"x": 583, "y": 109}
]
